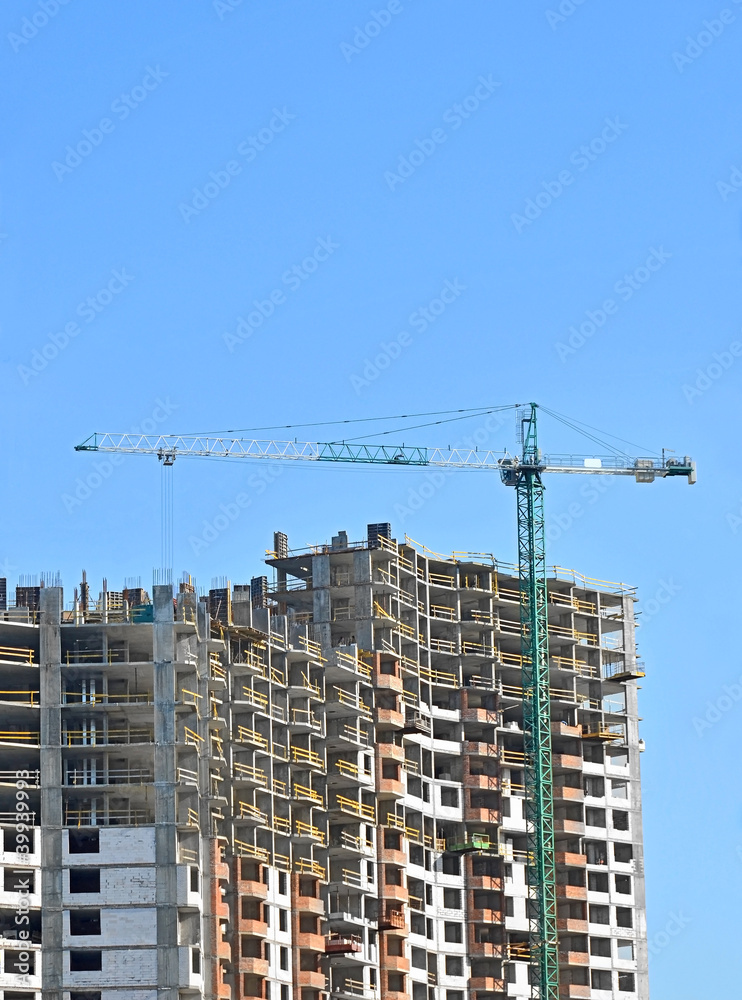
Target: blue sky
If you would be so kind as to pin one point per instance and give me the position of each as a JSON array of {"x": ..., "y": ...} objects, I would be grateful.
[{"x": 572, "y": 170}]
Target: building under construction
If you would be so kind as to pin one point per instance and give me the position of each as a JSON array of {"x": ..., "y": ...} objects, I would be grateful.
[{"x": 313, "y": 787}]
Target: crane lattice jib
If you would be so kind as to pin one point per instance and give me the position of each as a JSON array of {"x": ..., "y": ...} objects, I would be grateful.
[{"x": 541, "y": 868}]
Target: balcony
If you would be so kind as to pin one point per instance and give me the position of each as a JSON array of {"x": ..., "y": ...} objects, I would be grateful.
[
  {"x": 252, "y": 928},
  {"x": 566, "y": 762},
  {"x": 476, "y": 749},
  {"x": 396, "y": 893},
  {"x": 389, "y": 718},
  {"x": 575, "y": 992},
  {"x": 578, "y": 892},
  {"x": 564, "y": 793},
  {"x": 309, "y": 904},
  {"x": 343, "y": 944},
  {"x": 309, "y": 941},
  {"x": 486, "y": 782},
  {"x": 311, "y": 980},
  {"x": 580, "y": 958},
  {"x": 354, "y": 808},
  {"x": 571, "y": 860},
  {"x": 571, "y": 925},
  {"x": 486, "y": 916},
  {"x": 572, "y": 826},
  {"x": 253, "y": 966}
]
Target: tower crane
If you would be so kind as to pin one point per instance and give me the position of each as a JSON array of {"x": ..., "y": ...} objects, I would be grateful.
[{"x": 525, "y": 473}]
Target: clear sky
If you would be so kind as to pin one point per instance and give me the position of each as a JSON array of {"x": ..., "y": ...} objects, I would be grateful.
[{"x": 236, "y": 214}]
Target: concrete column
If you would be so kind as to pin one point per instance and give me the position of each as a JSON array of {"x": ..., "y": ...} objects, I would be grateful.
[
  {"x": 50, "y": 698},
  {"x": 166, "y": 837},
  {"x": 363, "y": 597},
  {"x": 208, "y": 845},
  {"x": 635, "y": 815}
]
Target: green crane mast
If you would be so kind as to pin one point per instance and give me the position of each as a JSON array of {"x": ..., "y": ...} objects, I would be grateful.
[
  {"x": 525, "y": 474},
  {"x": 529, "y": 491}
]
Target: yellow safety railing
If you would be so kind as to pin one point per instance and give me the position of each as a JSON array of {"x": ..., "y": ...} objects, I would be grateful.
[
  {"x": 192, "y": 818},
  {"x": 115, "y": 737},
  {"x": 251, "y": 851},
  {"x": 441, "y": 580},
  {"x": 304, "y": 792},
  {"x": 307, "y": 685},
  {"x": 278, "y": 676},
  {"x": 441, "y": 611},
  {"x": 186, "y": 695},
  {"x": 27, "y": 697},
  {"x": 301, "y": 756},
  {"x": 443, "y": 645},
  {"x": 282, "y": 861},
  {"x": 306, "y": 867},
  {"x": 311, "y": 647},
  {"x": 477, "y": 649},
  {"x": 11, "y": 736},
  {"x": 245, "y": 735},
  {"x": 352, "y": 663},
  {"x": 17, "y": 654},
  {"x": 256, "y": 698},
  {"x": 356, "y": 808},
  {"x": 512, "y": 757},
  {"x": 250, "y": 774},
  {"x": 308, "y": 830},
  {"x": 602, "y": 731},
  {"x": 350, "y": 877},
  {"x": 356, "y": 843},
  {"x": 304, "y": 717},
  {"x": 248, "y": 811},
  {"x": 439, "y": 677},
  {"x": 191, "y": 738},
  {"x": 347, "y": 768},
  {"x": 281, "y": 824}
]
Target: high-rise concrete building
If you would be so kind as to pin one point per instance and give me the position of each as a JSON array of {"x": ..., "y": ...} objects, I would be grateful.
[{"x": 313, "y": 787}]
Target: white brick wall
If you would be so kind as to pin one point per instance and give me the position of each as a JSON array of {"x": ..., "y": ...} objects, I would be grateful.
[{"x": 121, "y": 967}]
